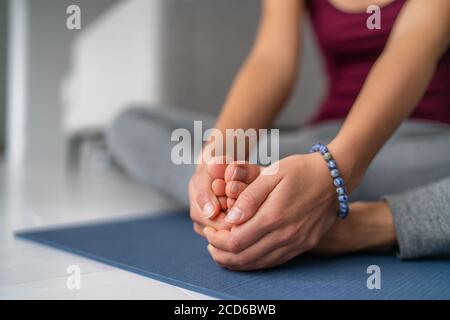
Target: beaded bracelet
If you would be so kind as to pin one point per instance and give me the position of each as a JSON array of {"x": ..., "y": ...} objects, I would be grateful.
[{"x": 337, "y": 179}]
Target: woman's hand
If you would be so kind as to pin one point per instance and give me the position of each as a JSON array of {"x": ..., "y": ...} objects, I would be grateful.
[
  {"x": 285, "y": 214},
  {"x": 205, "y": 208}
]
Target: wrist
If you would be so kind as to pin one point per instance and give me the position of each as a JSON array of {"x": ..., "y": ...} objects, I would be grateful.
[
  {"x": 349, "y": 163},
  {"x": 382, "y": 226}
]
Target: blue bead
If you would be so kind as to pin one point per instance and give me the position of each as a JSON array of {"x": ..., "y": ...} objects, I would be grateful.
[
  {"x": 343, "y": 214},
  {"x": 323, "y": 149},
  {"x": 315, "y": 147},
  {"x": 343, "y": 206},
  {"x": 334, "y": 173},
  {"x": 331, "y": 164},
  {"x": 338, "y": 182}
]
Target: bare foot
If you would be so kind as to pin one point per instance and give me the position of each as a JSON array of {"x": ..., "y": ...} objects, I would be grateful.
[{"x": 231, "y": 180}]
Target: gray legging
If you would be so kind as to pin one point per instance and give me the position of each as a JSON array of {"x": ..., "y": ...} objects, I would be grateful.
[{"x": 412, "y": 170}]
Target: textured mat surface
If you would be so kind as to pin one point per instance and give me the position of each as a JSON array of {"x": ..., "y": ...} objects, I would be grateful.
[{"x": 165, "y": 248}]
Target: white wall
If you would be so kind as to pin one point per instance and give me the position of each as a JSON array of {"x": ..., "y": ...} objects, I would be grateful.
[
  {"x": 3, "y": 50},
  {"x": 182, "y": 53},
  {"x": 115, "y": 62},
  {"x": 49, "y": 43},
  {"x": 205, "y": 43}
]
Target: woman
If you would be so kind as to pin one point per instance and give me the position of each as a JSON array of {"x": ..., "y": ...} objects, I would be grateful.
[{"x": 386, "y": 118}]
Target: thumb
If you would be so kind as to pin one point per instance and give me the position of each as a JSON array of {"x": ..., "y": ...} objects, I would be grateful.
[
  {"x": 249, "y": 201},
  {"x": 205, "y": 198}
]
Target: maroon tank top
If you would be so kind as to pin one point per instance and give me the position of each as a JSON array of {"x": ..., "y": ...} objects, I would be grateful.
[{"x": 350, "y": 49}]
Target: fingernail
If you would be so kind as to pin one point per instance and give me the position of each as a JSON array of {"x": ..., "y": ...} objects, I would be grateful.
[
  {"x": 208, "y": 210},
  {"x": 238, "y": 174},
  {"x": 233, "y": 216}
]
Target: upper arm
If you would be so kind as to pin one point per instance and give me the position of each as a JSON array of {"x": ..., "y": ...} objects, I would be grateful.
[
  {"x": 279, "y": 32},
  {"x": 422, "y": 29}
]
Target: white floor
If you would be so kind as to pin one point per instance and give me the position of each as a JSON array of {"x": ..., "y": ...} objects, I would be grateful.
[{"x": 43, "y": 196}]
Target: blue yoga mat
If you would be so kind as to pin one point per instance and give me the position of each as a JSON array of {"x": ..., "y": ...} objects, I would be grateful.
[{"x": 165, "y": 248}]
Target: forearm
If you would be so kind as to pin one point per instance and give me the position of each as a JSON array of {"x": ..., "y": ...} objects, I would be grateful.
[
  {"x": 422, "y": 220},
  {"x": 266, "y": 79},
  {"x": 392, "y": 90},
  {"x": 256, "y": 96},
  {"x": 395, "y": 85},
  {"x": 258, "y": 93}
]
